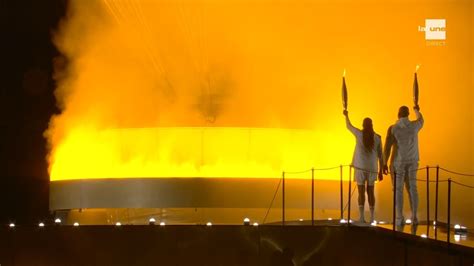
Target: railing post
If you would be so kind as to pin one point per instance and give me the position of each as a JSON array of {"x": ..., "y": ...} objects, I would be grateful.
[
  {"x": 436, "y": 203},
  {"x": 283, "y": 200},
  {"x": 349, "y": 203},
  {"x": 427, "y": 201},
  {"x": 341, "y": 192},
  {"x": 312, "y": 196},
  {"x": 394, "y": 199},
  {"x": 449, "y": 211}
]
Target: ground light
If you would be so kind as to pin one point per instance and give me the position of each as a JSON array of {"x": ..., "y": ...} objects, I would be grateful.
[
  {"x": 11, "y": 225},
  {"x": 162, "y": 224},
  {"x": 118, "y": 224},
  {"x": 255, "y": 224},
  {"x": 57, "y": 221},
  {"x": 41, "y": 224},
  {"x": 459, "y": 229},
  {"x": 424, "y": 236},
  {"x": 408, "y": 221},
  {"x": 76, "y": 224},
  {"x": 246, "y": 221},
  {"x": 209, "y": 224},
  {"x": 151, "y": 221},
  {"x": 343, "y": 221}
]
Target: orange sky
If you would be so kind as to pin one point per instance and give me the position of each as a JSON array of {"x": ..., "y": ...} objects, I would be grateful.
[{"x": 253, "y": 64}]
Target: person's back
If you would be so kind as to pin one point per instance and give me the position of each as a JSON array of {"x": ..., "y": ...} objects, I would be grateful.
[
  {"x": 406, "y": 135},
  {"x": 367, "y": 152},
  {"x": 363, "y": 158}
]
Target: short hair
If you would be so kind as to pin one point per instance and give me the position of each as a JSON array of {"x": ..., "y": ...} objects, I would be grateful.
[{"x": 403, "y": 112}]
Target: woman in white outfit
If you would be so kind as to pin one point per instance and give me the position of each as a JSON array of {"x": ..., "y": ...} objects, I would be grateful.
[{"x": 367, "y": 151}]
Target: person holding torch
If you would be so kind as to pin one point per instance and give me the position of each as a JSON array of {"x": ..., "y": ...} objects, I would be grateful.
[
  {"x": 367, "y": 152},
  {"x": 402, "y": 143}
]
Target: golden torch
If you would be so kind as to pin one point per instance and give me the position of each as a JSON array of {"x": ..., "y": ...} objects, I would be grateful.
[
  {"x": 415, "y": 87},
  {"x": 344, "y": 91}
]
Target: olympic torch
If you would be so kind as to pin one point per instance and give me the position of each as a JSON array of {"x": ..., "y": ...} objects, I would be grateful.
[
  {"x": 415, "y": 87},
  {"x": 344, "y": 91}
]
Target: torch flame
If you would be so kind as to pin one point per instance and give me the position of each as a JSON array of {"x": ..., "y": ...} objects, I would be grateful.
[
  {"x": 344, "y": 73},
  {"x": 417, "y": 67}
]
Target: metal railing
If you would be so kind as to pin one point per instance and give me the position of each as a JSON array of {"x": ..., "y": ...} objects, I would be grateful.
[{"x": 350, "y": 192}]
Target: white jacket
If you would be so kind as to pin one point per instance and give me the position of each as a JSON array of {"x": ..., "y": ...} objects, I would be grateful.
[
  {"x": 362, "y": 158},
  {"x": 405, "y": 134}
]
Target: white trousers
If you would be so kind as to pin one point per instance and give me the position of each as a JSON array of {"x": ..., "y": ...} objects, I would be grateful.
[{"x": 406, "y": 175}]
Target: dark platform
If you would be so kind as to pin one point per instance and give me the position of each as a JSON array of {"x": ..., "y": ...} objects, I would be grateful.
[{"x": 222, "y": 245}]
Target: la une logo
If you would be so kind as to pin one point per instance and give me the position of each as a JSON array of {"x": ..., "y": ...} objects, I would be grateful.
[{"x": 435, "y": 29}]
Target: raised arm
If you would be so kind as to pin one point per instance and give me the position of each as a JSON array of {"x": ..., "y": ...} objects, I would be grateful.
[
  {"x": 419, "y": 118},
  {"x": 349, "y": 125}
]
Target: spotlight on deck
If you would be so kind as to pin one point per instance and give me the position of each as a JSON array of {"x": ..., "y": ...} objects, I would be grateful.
[
  {"x": 118, "y": 224},
  {"x": 329, "y": 219},
  {"x": 246, "y": 221},
  {"x": 350, "y": 221},
  {"x": 151, "y": 221},
  {"x": 301, "y": 219},
  {"x": 460, "y": 230},
  {"x": 11, "y": 225},
  {"x": 76, "y": 224},
  {"x": 57, "y": 221},
  {"x": 41, "y": 224},
  {"x": 162, "y": 223},
  {"x": 209, "y": 224},
  {"x": 408, "y": 221},
  {"x": 374, "y": 223},
  {"x": 424, "y": 236},
  {"x": 255, "y": 224},
  {"x": 382, "y": 222},
  {"x": 434, "y": 223},
  {"x": 343, "y": 221}
]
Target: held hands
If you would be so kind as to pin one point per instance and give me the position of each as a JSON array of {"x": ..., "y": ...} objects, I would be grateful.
[
  {"x": 385, "y": 170},
  {"x": 345, "y": 113},
  {"x": 416, "y": 107},
  {"x": 380, "y": 176}
]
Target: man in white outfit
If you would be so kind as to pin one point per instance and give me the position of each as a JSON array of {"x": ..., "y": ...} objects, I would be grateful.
[{"x": 403, "y": 136}]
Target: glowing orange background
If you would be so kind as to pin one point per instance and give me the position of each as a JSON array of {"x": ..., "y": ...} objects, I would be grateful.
[{"x": 131, "y": 67}]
